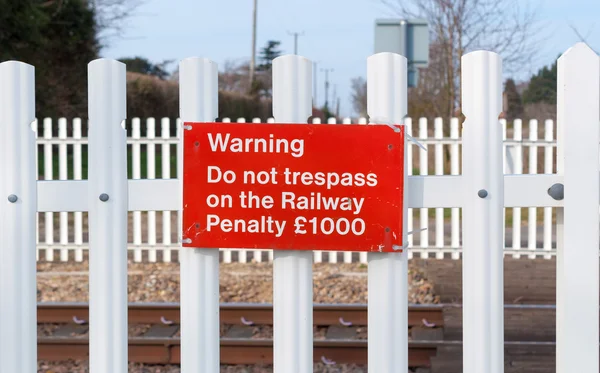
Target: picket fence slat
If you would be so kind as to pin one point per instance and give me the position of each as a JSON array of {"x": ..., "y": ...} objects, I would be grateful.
[{"x": 166, "y": 174}]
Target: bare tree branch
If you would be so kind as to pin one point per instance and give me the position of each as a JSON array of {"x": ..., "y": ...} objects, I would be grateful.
[{"x": 461, "y": 26}]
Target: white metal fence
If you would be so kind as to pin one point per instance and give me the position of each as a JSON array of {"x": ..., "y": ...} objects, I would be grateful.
[
  {"x": 481, "y": 190},
  {"x": 153, "y": 234}
]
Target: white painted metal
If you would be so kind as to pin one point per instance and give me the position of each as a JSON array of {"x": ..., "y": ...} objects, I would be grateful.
[
  {"x": 517, "y": 169},
  {"x": 136, "y": 174},
  {"x": 423, "y": 170},
  {"x": 256, "y": 120},
  {"x": 292, "y": 270},
  {"x": 409, "y": 162},
  {"x": 35, "y": 125},
  {"x": 77, "y": 175},
  {"x": 483, "y": 243},
  {"x": 439, "y": 170},
  {"x": 48, "y": 175},
  {"x": 577, "y": 282},
  {"x": 18, "y": 333},
  {"x": 150, "y": 175},
  {"x": 548, "y": 169},
  {"x": 388, "y": 272},
  {"x": 454, "y": 170},
  {"x": 532, "y": 216},
  {"x": 165, "y": 125},
  {"x": 107, "y": 220},
  {"x": 198, "y": 94},
  {"x": 62, "y": 175}
]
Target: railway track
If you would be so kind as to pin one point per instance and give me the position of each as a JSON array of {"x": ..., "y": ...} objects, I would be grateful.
[
  {"x": 159, "y": 343},
  {"x": 435, "y": 333}
]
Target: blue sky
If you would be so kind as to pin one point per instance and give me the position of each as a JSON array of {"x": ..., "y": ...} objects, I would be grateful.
[{"x": 338, "y": 34}]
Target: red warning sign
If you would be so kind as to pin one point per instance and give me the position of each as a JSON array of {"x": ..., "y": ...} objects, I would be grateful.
[{"x": 293, "y": 186}]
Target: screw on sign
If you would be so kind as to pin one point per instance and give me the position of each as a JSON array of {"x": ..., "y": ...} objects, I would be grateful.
[{"x": 293, "y": 187}]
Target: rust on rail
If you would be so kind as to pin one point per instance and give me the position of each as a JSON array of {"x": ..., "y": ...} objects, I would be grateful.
[
  {"x": 232, "y": 351},
  {"x": 238, "y": 313}
]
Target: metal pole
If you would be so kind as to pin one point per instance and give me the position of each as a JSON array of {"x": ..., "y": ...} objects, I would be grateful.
[
  {"x": 296, "y": 34},
  {"x": 198, "y": 88},
  {"x": 107, "y": 199},
  {"x": 18, "y": 205},
  {"x": 292, "y": 270},
  {"x": 253, "y": 59},
  {"x": 388, "y": 272},
  {"x": 483, "y": 214}
]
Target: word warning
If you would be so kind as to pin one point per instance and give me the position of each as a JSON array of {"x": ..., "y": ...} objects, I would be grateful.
[{"x": 293, "y": 186}]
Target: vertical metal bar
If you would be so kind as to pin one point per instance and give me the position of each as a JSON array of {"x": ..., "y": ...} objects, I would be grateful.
[
  {"x": 77, "y": 175},
  {"x": 48, "y": 175},
  {"x": 548, "y": 169},
  {"x": 577, "y": 280},
  {"x": 388, "y": 272},
  {"x": 136, "y": 173},
  {"x": 409, "y": 171},
  {"x": 18, "y": 333},
  {"x": 454, "y": 170},
  {"x": 151, "y": 174},
  {"x": 198, "y": 92},
  {"x": 532, "y": 216},
  {"x": 107, "y": 216},
  {"x": 518, "y": 169},
  {"x": 62, "y": 175},
  {"x": 483, "y": 198},
  {"x": 292, "y": 270},
  {"x": 439, "y": 170},
  {"x": 166, "y": 174},
  {"x": 423, "y": 212}
]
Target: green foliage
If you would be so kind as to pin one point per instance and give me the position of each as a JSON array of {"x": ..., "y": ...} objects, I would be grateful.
[
  {"x": 144, "y": 66},
  {"x": 514, "y": 105},
  {"x": 58, "y": 37},
  {"x": 20, "y": 28},
  {"x": 268, "y": 54},
  {"x": 542, "y": 87}
]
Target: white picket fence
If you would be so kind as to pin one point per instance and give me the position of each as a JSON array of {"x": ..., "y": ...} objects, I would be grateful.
[
  {"x": 154, "y": 240},
  {"x": 482, "y": 191}
]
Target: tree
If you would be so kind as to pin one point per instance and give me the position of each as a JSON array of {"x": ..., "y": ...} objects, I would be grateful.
[
  {"x": 20, "y": 28},
  {"x": 58, "y": 37},
  {"x": 542, "y": 86},
  {"x": 144, "y": 66},
  {"x": 513, "y": 106},
  {"x": 268, "y": 54},
  {"x": 460, "y": 26},
  {"x": 110, "y": 16},
  {"x": 359, "y": 96}
]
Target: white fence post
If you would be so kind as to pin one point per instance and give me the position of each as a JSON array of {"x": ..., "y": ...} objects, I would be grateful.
[
  {"x": 532, "y": 216},
  {"x": 107, "y": 216},
  {"x": 388, "y": 272},
  {"x": 577, "y": 282},
  {"x": 18, "y": 337},
  {"x": 483, "y": 198},
  {"x": 199, "y": 267},
  {"x": 292, "y": 270}
]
